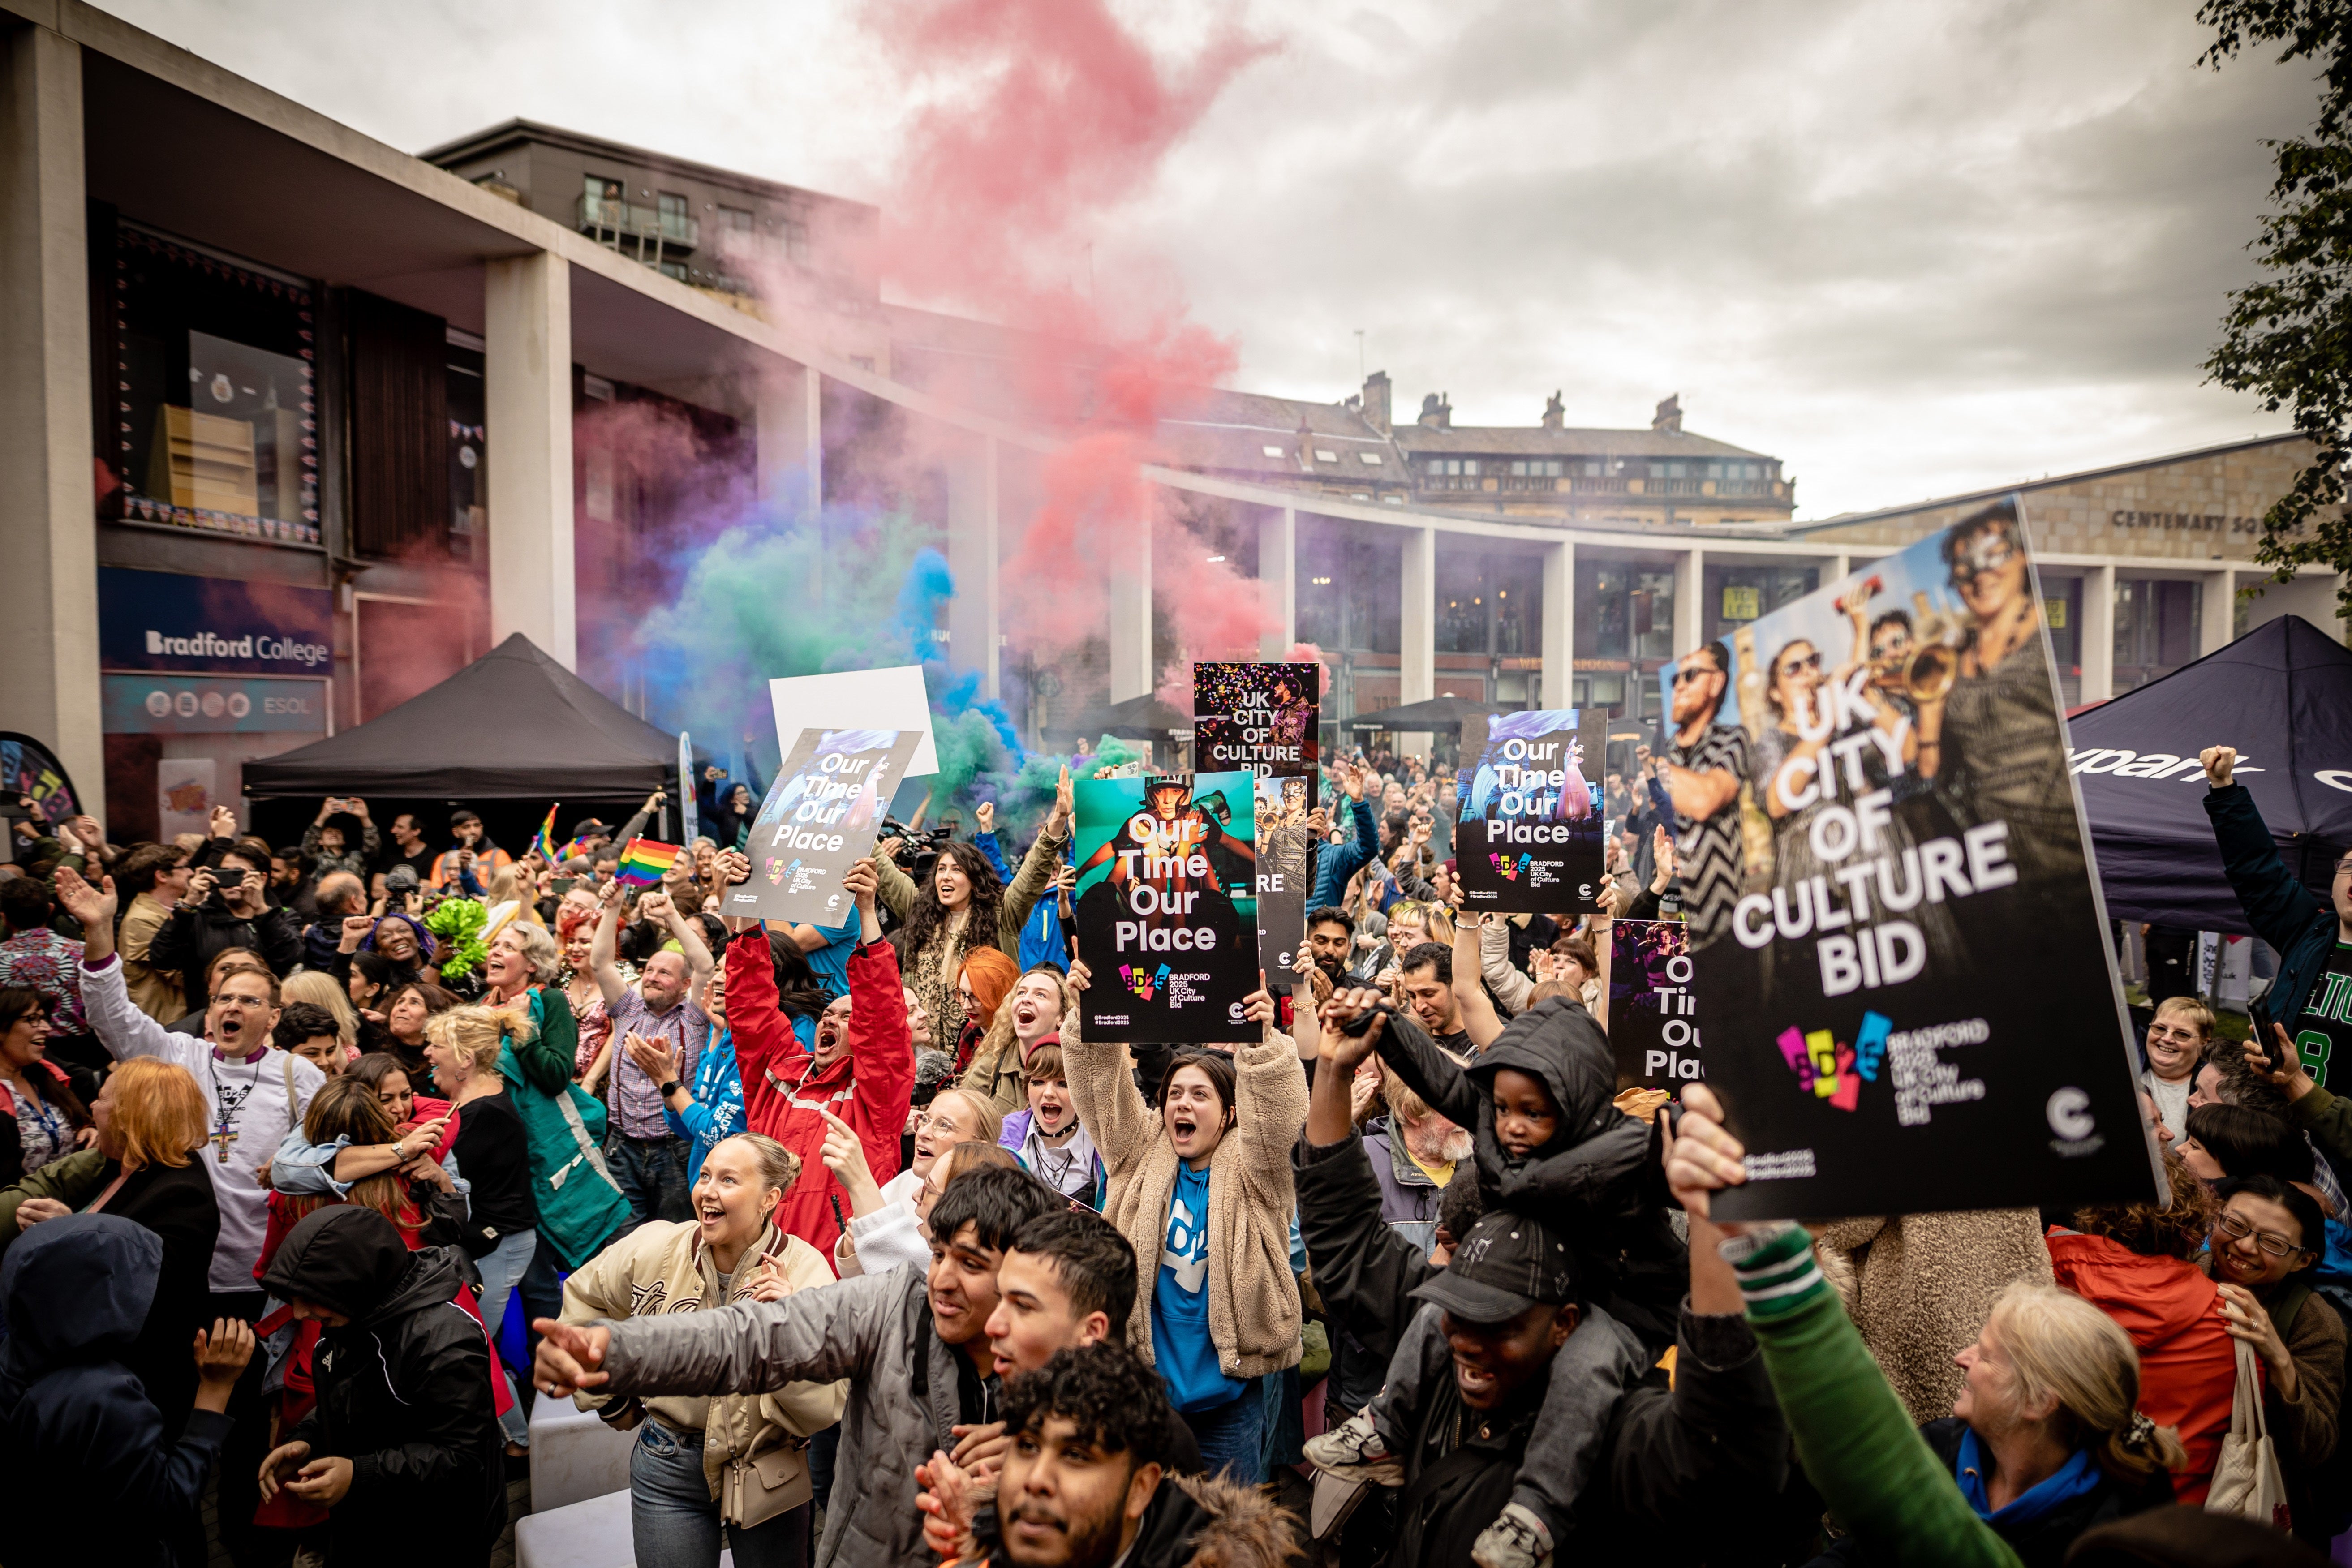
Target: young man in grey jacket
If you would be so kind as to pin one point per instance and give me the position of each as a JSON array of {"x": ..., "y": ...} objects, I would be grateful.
[{"x": 914, "y": 1345}]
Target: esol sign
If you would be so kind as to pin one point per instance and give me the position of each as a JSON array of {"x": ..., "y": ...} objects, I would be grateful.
[{"x": 193, "y": 705}]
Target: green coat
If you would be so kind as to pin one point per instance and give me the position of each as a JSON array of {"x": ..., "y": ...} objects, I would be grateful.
[{"x": 580, "y": 1206}]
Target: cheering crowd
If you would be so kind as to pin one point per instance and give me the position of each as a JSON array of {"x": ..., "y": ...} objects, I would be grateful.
[{"x": 883, "y": 1262}]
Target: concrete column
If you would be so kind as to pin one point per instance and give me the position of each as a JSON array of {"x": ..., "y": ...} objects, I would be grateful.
[
  {"x": 973, "y": 635},
  {"x": 1417, "y": 626},
  {"x": 1131, "y": 672},
  {"x": 1841, "y": 568},
  {"x": 1417, "y": 631},
  {"x": 48, "y": 642},
  {"x": 527, "y": 385},
  {"x": 2098, "y": 643},
  {"x": 1277, "y": 581},
  {"x": 2217, "y": 610},
  {"x": 1559, "y": 624},
  {"x": 1690, "y": 585},
  {"x": 791, "y": 440}
]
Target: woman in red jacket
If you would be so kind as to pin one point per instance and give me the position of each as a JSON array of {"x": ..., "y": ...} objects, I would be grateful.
[
  {"x": 2132, "y": 1261},
  {"x": 861, "y": 1069}
]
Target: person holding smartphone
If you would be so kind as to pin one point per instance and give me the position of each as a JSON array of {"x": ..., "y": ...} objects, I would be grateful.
[
  {"x": 226, "y": 905},
  {"x": 341, "y": 838}
]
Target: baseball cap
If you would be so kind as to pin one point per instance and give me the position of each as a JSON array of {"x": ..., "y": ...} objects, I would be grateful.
[
  {"x": 1507, "y": 1264},
  {"x": 591, "y": 828}
]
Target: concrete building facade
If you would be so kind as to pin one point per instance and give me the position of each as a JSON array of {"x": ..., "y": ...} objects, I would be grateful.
[{"x": 282, "y": 390}]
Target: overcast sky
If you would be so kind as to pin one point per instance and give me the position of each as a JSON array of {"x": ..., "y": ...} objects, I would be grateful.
[{"x": 1909, "y": 246}]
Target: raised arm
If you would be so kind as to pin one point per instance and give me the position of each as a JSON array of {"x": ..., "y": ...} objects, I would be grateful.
[
  {"x": 881, "y": 1045},
  {"x": 119, "y": 1026},
  {"x": 1472, "y": 941},
  {"x": 1270, "y": 1100},
  {"x": 2277, "y": 906},
  {"x": 1037, "y": 868},
  {"x": 1406, "y": 1046},
  {"x": 604, "y": 950}
]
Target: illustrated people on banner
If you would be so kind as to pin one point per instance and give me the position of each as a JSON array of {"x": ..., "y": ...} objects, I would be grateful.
[{"x": 1173, "y": 847}]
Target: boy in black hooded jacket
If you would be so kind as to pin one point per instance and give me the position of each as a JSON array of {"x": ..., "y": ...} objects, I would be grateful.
[
  {"x": 1551, "y": 1144},
  {"x": 404, "y": 1427}
]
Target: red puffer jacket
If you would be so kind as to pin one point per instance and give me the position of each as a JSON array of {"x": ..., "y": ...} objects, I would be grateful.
[
  {"x": 870, "y": 1086},
  {"x": 2188, "y": 1364}
]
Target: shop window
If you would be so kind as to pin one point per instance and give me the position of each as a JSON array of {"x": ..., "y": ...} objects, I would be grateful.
[
  {"x": 216, "y": 422},
  {"x": 469, "y": 467}
]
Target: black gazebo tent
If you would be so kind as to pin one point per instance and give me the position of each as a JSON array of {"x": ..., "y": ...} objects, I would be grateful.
[
  {"x": 1436, "y": 714},
  {"x": 513, "y": 725},
  {"x": 2281, "y": 695}
]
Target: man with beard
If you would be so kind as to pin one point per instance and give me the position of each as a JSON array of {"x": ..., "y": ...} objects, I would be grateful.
[
  {"x": 1426, "y": 978},
  {"x": 1704, "y": 766},
  {"x": 861, "y": 1067},
  {"x": 1085, "y": 1483},
  {"x": 1330, "y": 943}
]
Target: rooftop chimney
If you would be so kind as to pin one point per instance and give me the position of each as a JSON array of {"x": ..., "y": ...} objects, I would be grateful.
[
  {"x": 1376, "y": 401},
  {"x": 1435, "y": 412},
  {"x": 1305, "y": 437},
  {"x": 1554, "y": 417},
  {"x": 1669, "y": 416}
]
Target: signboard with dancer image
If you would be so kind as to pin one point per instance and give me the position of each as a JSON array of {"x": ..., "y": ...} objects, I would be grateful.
[
  {"x": 820, "y": 818},
  {"x": 1166, "y": 906},
  {"x": 1528, "y": 840},
  {"x": 1898, "y": 937}
]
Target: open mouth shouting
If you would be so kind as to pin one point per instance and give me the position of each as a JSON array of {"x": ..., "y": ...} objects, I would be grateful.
[{"x": 1476, "y": 1383}]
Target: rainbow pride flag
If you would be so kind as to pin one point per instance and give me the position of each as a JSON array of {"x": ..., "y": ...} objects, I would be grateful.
[
  {"x": 545, "y": 842},
  {"x": 644, "y": 862}
]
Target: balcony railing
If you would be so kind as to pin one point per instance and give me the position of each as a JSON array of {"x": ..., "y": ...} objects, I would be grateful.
[{"x": 645, "y": 226}]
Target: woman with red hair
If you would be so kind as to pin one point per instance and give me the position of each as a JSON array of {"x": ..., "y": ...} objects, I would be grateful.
[{"x": 982, "y": 986}]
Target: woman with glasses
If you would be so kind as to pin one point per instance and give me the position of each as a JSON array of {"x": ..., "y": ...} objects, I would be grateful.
[{"x": 2266, "y": 1241}]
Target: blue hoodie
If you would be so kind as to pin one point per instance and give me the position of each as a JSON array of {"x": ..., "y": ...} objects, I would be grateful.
[{"x": 77, "y": 1430}]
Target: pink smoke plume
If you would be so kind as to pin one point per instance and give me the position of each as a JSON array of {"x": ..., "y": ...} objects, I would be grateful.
[{"x": 1040, "y": 119}]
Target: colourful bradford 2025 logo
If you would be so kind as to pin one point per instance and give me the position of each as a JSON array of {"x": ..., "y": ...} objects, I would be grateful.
[
  {"x": 1508, "y": 868},
  {"x": 1144, "y": 982},
  {"x": 1828, "y": 1069}
]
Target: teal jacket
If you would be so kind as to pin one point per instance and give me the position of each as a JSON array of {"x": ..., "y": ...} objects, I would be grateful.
[{"x": 580, "y": 1206}]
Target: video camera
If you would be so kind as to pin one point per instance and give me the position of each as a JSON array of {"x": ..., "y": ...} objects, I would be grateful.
[{"x": 917, "y": 851}]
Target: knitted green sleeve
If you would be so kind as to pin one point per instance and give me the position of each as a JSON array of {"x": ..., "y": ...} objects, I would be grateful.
[{"x": 1857, "y": 1441}]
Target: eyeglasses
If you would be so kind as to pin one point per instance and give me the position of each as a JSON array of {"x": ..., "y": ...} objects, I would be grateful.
[
  {"x": 2185, "y": 1037},
  {"x": 1693, "y": 672},
  {"x": 1990, "y": 556},
  {"x": 2232, "y": 1225},
  {"x": 1810, "y": 661}
]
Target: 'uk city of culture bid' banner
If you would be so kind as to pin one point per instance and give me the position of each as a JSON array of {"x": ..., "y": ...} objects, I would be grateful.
[
  {"x": 1652, "y": 1017},
  {"x": 1897, "y": 933},
  {"x": 1527, "y": 839},
  {"x": 1285, "y": 874},
  {"x": 1166, "y": 916},
  {"x": 820, "y": 818},
  {"x": 1263, "y": 718}
]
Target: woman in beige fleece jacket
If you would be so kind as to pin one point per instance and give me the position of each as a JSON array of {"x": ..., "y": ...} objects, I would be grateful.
[
  {"x": 1201, "y": 1187},
  {"x": 737, "y": 1459}
]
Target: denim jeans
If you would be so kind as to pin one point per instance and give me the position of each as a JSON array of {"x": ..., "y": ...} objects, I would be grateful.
[
  {"x": 1233, "y": 1435},
  {"x": 502, "y": 1269},
  {"x": 674, "y": 1520},
  {"x": 651, "y": 1173}
]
